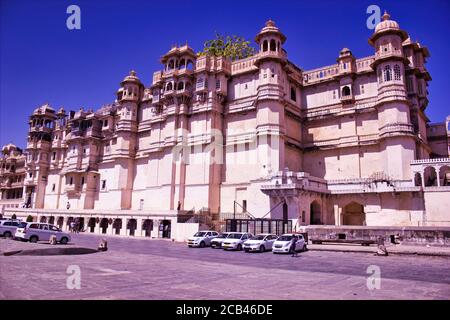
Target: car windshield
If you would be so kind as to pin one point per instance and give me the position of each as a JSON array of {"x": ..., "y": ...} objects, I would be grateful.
[
  {"x": 200, "y": 234},
  {"x": 285, "y": 238},
  {"x": 258, "y": 237},
  {"x": 235, "y": 236},
  {"x": 22, "y": 225},
  {"x": 223, "y": 235}
]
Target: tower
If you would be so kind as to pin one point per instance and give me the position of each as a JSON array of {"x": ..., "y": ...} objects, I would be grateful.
[
  {"x": 270, "y": 128},
  {"x": 397, "y": 146},
  {"x": 128, "y": 98},
  {"x": 39, "y": 143}
]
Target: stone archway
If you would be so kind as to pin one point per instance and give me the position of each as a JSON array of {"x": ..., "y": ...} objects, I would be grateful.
[
  {"x": 43, "y": 219},
  {"x": 444, "y": 175},
  {"x": 132, "y": 226},
  {"x": 104, "y": 225},
  {"x": 91, "y": 224},
  {"x": 315, "y": 213},
  {"x": 147, "y": 227},
  {"x": 417, "y": 179},
  {"x": 353, "y": 215},
  {"x": 117, "y": 225},
  {"x": 430, "y": 178}
]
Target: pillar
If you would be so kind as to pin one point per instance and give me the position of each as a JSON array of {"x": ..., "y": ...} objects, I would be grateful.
[
  {"x": 138, "y": 231},
  {"x": 97, "y": 228},
  {"x": 124, "y": 230},
  {"x": 438, "y": 168}
]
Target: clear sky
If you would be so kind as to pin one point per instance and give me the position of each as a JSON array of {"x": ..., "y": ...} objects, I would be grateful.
[{"x": 41, "y": 60}]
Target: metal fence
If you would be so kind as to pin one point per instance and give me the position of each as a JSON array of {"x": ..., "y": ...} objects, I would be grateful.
[{"x": 255, "y": 226}]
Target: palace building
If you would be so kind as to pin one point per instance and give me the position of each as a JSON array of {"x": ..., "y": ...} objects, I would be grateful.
[{"x": 344, "y": 144}]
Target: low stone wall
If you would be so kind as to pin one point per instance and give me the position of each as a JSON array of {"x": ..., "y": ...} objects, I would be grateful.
[{"x": 433, "y": 236}]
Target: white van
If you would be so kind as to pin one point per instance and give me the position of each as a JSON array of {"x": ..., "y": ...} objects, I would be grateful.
[{"x": 34, "y": 232}]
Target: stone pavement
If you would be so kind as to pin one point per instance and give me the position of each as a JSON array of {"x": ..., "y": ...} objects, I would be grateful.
[{"x": 155, "y": 269}]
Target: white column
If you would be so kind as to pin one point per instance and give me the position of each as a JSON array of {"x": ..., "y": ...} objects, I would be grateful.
[
  {"x": 124, "y": 230},
  {"x": 438, "y": 168},
  {"x": 138, "y": 231}
]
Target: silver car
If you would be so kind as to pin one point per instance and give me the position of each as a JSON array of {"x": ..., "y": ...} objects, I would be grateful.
[
  {"x": 260, "y": 242},
  {"x": 34, "y": 232},
  {"x": 8, "y": 227}
]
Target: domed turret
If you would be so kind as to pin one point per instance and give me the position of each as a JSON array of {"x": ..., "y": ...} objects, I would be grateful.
[
  {"x": 270, "y": 40},
  {"x": 387, "y": 27},
  {"x": 130, "y": 88}
]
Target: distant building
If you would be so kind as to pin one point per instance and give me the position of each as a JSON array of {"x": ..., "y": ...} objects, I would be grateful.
[
  {"x": 345, "y": 144},
  {"x": 12, "y": 175}
]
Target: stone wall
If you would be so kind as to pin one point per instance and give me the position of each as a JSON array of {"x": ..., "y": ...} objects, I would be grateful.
[{"x": 433, "y": 236}]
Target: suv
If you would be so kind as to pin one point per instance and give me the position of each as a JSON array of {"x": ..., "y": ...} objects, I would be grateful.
[
  {"x": 8, "y": 227},
  {"x": 201, "y": 239},
  {"x": 35, "y": 232}
]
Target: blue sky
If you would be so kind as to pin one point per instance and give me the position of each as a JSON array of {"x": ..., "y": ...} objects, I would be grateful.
[{"x": 42, "y": 61}]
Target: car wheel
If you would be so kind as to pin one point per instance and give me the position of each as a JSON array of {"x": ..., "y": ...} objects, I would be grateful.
[
  {"x": 202, "y": 244},
  {"x": 33, "y": 239},
  {"x": 262, "y": 249},
  {"x": 304, "y": 248},
  {"x": 7, "y": 234},
  {"x": 239, "y": 247},
  {"x": 64, "y": 240}
]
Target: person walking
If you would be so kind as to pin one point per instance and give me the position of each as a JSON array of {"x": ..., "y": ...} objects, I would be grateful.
[
  {"x": 292, "y": 247},
  {"x": 72, "y": 226}
]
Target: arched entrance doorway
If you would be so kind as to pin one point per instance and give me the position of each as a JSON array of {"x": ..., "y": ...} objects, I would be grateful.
[
  {"x": 132, "y": 225},
  {"x": 315, "y": 213},
  {"x": 104, "y": 225},
  {"x": 164, "y": 229},
  {"x": 60, "y": 222},
  {"x": 91, "y": 224},
  {"x": 117, "y": 225},
  {"x": 69, "y": 221},
  {"x": 51, "y": 220},
  {"x": 147, "y": 226},
  {"x": 79, "y": 224},
  {"x": 43, "y": 219},
  {"x": 353, "y": 215}
]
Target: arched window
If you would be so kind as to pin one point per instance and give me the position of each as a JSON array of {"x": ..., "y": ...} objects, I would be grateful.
[
  {"x": 387, "y": 73},
  {"x": 169, "y": 86},
  {"x": 180, "y": 85},
  {"x": 397, "y": 74},
  {"x": 171, "y": 65},
  {"x": 190, "y": 65},
  {"x": 265, "y": 45},
  {"x": 182, "y": 64},
  {"x": 346, "y": 91},
  {"x": 273, "y": 45},
  {"x": 293, "y": 94}
]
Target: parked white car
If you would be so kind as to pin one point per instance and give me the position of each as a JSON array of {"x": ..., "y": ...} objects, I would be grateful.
[
  {"x": 217, "y": 241},
  {"x": 202, "y": 239},
  {"x": 283, "y": 243},
  {"x": 260, "y": 242},
  {"x": 8, "y": 227},
  {"x": 35, "y": 232},
  {"x": 235, "y": 240}
]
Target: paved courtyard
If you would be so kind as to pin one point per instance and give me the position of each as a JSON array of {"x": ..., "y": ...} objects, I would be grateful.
[{"x": 158, "y": 269}]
